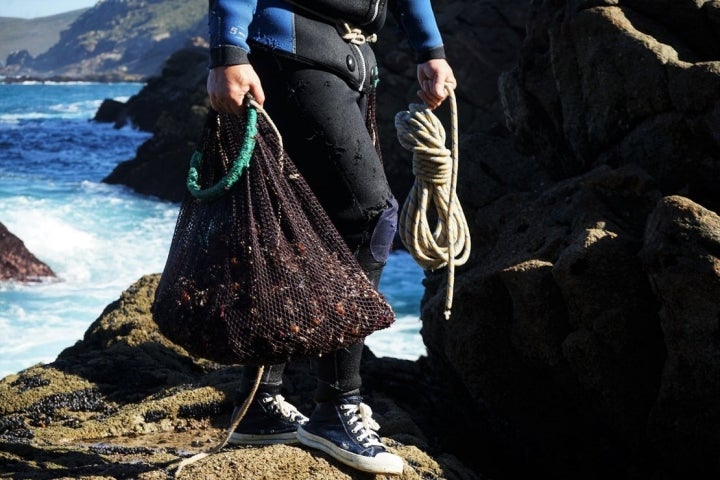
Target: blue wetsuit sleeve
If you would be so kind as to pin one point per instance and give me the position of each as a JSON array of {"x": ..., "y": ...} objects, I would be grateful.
[
  {"x": 228, "y": 25},
  {"x": 417, "y": 19}
]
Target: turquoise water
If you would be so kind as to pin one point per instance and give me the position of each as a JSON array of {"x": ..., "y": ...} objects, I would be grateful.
[{"x": 100, "y": 238}]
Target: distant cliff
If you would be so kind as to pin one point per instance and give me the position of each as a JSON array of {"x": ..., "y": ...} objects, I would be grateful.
[
  {"x": 21, "y": 37},
  {"x": 116, "y": 39}
]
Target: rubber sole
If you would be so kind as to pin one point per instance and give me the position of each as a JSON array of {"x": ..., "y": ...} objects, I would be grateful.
[
  {"x": 272, "y": 439},
  {"x": 383, "y": 463}
]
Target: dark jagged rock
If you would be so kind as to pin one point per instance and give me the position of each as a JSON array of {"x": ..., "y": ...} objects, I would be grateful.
[
  {"x": 629, "y": 83},
  {"x": 17, "y": 263},
  {"x": 585, "y": 314},
  {"x": 112, "y": 111},
  {"x": 178, "y": 89},
  {"x": 173, "y": 106},
  {"x": 681, "y": 253}
]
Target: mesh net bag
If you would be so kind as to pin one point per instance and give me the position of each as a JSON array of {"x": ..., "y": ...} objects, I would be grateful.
[{"x": 256, "y": 272}]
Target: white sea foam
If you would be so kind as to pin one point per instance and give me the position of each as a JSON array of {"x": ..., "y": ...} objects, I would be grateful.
[
  {"x": 17, "y": 117},
  {"x": 400, "y": 340},
  {"x": 75, "y": 108}
]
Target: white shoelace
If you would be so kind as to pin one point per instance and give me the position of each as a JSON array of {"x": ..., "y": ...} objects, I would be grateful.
[
  {"x": 366, "y": 427},
  {"x": 286, "y": 409}
]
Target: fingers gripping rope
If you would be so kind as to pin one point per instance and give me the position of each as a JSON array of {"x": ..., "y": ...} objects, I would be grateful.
[{"x": 435, "y": 170}]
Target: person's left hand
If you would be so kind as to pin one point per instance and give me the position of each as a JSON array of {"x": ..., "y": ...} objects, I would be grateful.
[{"x": 434, "y": 77}]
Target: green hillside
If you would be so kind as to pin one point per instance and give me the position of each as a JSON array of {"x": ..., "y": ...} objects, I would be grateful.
[
  {"x": 36, "y": 35},
  {"x": 128, "y": 39},
  {"x": 129, "y": 36}
]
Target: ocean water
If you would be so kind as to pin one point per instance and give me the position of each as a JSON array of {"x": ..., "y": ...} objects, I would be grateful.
[{"x": 101, "y": 238}]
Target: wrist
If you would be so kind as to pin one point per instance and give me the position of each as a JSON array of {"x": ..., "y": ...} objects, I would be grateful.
[
  {"x": 430, "y": 54},
  {"x": 224, "y": 55}
]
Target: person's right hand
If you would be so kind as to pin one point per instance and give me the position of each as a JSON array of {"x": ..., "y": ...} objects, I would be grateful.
[{"x": 228, "y": 85}]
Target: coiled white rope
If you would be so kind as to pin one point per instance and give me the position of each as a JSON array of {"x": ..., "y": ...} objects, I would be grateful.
[{"x": 435, "y": 170}]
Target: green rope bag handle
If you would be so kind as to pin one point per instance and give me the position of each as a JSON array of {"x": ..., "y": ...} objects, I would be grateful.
[{"x": 236, "y": 169}]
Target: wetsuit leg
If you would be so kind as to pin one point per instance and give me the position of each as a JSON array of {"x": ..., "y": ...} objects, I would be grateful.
[
  {"x": 322, "y": 121},
  {"x": 323, "y": 124}
]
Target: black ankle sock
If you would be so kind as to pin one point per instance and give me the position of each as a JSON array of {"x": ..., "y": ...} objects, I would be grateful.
[
  {"x": 270, "y": 381},
  {"x": 338, "y": 373}
]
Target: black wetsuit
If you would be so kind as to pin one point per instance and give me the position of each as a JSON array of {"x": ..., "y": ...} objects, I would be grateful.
[{"x": 318, "y": 87}]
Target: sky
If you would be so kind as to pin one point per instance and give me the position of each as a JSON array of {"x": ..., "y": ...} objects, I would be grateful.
[{"x": 40, "y": 8}]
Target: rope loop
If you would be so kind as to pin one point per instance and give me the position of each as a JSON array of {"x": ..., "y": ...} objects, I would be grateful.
[
  {"x": 435, "y": 170},
  {"x": 238, "y": 166},
  {"x": 355, "y": 35},
  {"x": 241, "y": 162}
]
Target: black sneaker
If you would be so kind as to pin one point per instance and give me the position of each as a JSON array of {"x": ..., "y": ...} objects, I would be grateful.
[
  {"x": 269, "y": 419},
  {"x": 345, "y": 430}
]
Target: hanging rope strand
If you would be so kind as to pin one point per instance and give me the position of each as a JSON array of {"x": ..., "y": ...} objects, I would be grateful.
[
  {"x": 435, "y": 169},
  {"x": 238, "y": 415}
]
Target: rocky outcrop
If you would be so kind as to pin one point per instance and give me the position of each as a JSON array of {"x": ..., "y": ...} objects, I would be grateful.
[
  {"x": 680, "y": 254},
  {"x": 621, "y": 84},
  {"x": 584, "y": 323},
  {"x": 112, "y": 111},
  {"x": 173, "y": 106},
  {"x": 124, "y": 402},
  {"x": 17, "y": 263}
]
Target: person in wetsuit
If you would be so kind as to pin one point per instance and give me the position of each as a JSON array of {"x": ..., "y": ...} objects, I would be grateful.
[{"x": 310, "y": 65}]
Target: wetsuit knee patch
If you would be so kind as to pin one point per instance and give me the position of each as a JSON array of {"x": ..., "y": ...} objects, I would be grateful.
[{"x": 384, "y": 232}]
